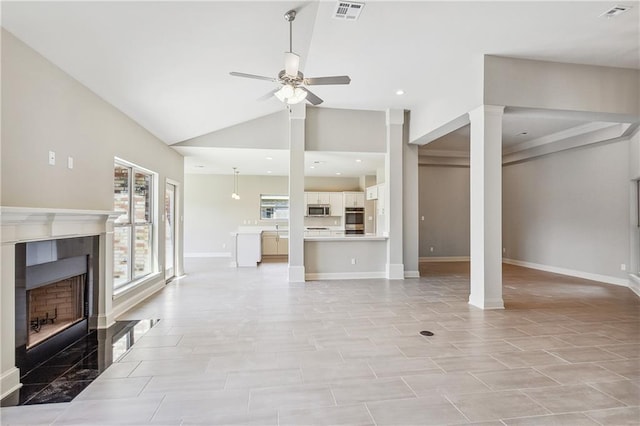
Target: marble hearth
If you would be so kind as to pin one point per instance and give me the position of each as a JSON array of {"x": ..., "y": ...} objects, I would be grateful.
[{"x": 26, "y": 225}]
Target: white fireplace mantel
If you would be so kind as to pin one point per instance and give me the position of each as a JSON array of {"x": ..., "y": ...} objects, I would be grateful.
[{"x": 25, "y": 224}]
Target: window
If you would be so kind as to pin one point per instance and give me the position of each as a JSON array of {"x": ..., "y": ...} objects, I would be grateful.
[
  {"x": 274, "y": 207},
  {"x": 133, "y": 254}
]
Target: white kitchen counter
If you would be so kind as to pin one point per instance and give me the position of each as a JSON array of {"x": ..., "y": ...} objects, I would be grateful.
[{"x": 344, "y": 238}]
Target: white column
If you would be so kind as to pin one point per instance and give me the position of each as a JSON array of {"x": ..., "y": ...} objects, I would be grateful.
[
  {"x": 410, "y": 209},
  {"x": 9, "y": 373},
  {"x": 486, "y": 207},
  {"x": 297, "y": 116},
  {"x": 393, "y": 199}
]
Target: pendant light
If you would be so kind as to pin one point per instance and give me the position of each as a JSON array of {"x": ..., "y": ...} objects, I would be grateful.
[{"x": 235, "y": 194}]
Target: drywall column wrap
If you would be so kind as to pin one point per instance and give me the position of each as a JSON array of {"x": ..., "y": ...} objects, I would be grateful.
[
  {"x": 393, "y": 200},
  {"x": 297, "y": 116},
  {"x": 486, "y": 207}
]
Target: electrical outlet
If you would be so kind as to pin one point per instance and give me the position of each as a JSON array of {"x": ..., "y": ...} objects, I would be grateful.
[
  {"x": 504, "y": 250},
  {"x": 623, "y": 267},
  {"x": 224, "y": 245},
  {"x": 431, "y": 249},
  {"x": 70, "y": 162},
  {"x": 422, "y": 218},
  {"x": 353, "y": 261},
  {"x": 52, "y": 158}
]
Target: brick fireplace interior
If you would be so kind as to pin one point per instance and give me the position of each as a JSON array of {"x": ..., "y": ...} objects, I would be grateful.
[
  {"x": 55, "y": 307},
  {"x": 55, "y": 296}
]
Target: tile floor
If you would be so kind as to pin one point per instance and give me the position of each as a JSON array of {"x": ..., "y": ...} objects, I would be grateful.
[{"x": 244, "y": 346}]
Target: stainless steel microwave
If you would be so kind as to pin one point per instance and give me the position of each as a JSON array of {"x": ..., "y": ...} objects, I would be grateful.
[{"x": 318, "y": 210}]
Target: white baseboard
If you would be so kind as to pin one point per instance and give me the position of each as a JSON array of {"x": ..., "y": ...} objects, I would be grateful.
[
  {"x": 570, "y": 272},
  {"x": 487, "y": 304},
  {"x": 314, "y": 276},
  {"x": 208, "y": 254},
  {"x": 9, "y": 382},
  {"x": 445, "y": 259},
  {"x": 412, "y": 274},
  {"x": 395, "y": 271},
  {"x": 296, "y": 274},
  {"x": 634, "y": 284},
  {"x": 136, "y": 298}
]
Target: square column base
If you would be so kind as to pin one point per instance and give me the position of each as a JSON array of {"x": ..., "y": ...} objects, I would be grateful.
[
  {"x": 10, "y": 382},
  {"x": 395, "y": 271},
  {"x": 487, "y": 303},
  {"x": 296, "y": 274}
]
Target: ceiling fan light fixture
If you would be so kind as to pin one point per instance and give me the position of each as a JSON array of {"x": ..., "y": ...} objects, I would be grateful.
[
  {"x": 291, "y": 95},
  {"x": 291, "y": 64}
]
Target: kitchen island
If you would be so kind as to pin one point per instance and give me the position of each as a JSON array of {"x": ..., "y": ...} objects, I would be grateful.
[{"x": 345, "y": 257}]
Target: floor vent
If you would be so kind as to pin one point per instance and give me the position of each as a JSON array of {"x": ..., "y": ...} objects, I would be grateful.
[{"x": 348, "y": 10}]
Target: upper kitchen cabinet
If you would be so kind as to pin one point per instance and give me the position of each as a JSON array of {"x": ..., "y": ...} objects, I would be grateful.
[{"x": 353, "y": 199}]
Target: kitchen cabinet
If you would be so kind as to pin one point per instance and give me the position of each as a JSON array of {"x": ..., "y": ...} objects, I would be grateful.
[
  {"x": 337, "y": 203},
  {"x": 333, "y": 199},
  {"x": 372, "y": 192},
  {"x": 353, "y": 199},
  {"x": 275, "y": 243},
  {"x": 248, "y": 249},
  {"x": 317, "y": 197}
]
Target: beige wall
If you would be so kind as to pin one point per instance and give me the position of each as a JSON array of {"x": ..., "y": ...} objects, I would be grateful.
[
  {"x": 570, "y": 210},
  {"x": 328, "y": 129},
  {"x": 45, "y": 109},
  {"x": 559, "y": 86},
  {"x": 211, "y": 215},
  {"x": 444, "y": 204}
]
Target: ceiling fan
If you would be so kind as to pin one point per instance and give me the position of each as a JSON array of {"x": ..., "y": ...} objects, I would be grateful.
[{"x": 291, "y": 80}]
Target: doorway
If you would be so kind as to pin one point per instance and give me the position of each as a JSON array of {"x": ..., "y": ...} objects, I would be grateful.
[{"x": 170, "y": 231}]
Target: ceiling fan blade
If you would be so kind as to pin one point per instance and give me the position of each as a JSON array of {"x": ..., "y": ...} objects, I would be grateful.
[
  {"x": 312, "y": 98},
  {"x": 267, "y": 96},
  {"x": 256, "y": 77},
  {"x": 337, "y": 79}
]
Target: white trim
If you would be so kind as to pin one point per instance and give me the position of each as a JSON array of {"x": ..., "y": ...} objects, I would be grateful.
[
  {"x": 208, "y": 254},
  {"x": 10, "y": 382},
  {"x": 316, "y": 276},
  {"x": 395, "y": 271},
  {"x": 133, "y": 300},
  {"x": 487, "y": 304},
  {"x": 412, "y": 274},
  {"x": 297, "y": 274},
  {"x": 446, "y": 259},
  {"x": 570, "y": 272},
  {"x": 634, "y": 284}
]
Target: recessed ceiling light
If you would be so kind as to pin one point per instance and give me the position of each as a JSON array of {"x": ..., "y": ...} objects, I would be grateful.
[
  {"x": 269, "y": 158},
  {"x": 358, "y": 160},
  {"x": 312, "y": 167},
  {"x": 522, "y": 133},
  {"x": 400, "y": 92},
  {"x": 269, "y": 171},
  {"x": 338, "y": 173},
  {"x": 200, "y": 167}
]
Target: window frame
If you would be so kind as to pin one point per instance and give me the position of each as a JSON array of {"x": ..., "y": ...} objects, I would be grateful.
[
  {"x": 132, "y": 224},
  {"x": 274, "y": 197}
]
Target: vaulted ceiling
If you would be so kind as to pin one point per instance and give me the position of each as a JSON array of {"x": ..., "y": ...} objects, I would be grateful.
[{"x": 167, "y": 64}]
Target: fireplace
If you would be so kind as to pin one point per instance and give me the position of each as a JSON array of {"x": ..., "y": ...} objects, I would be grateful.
[
  {"x": 54, "y": 296},
  {"x": 54, "y": 307}
]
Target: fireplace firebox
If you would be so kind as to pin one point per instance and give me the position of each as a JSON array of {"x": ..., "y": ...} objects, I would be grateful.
[{"x": 55, "y": 296}]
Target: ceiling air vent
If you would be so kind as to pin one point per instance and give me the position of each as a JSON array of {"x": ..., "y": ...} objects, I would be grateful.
[
  {"x": 348, "y": 10},
  {"x": 615, "y": 11}
]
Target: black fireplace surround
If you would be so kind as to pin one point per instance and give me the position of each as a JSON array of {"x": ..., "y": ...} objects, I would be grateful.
[{"x": 41, "y": 263}]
